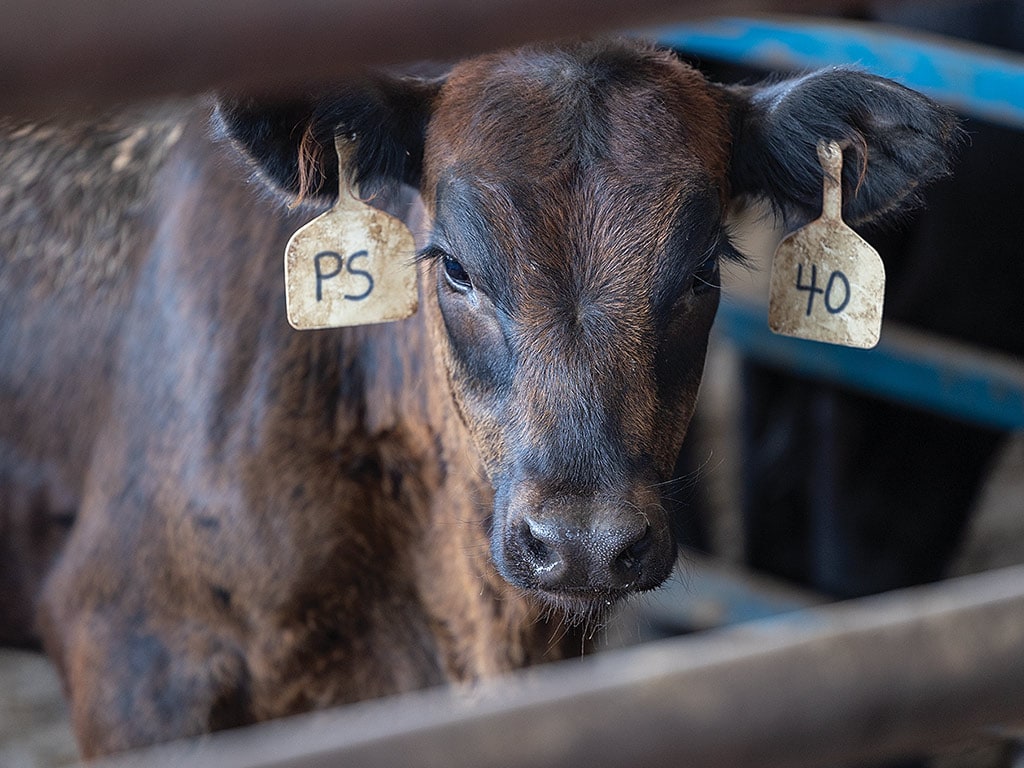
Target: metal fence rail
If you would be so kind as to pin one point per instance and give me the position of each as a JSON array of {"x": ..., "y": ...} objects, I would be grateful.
[
  {"x": 911, "y": 367},
  {"x": 974, "y": 79},
  {"x": 841, "y": 684},
  {"x": 59, "y": 55}
]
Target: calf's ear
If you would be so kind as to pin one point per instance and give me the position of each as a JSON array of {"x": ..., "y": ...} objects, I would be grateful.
[
  {"x": 291, "y": 142},
  {"x": 894, "y": 141}
]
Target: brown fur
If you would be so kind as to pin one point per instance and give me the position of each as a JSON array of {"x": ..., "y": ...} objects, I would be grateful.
[
  {"x": 224, "y": 419},
  {"x": 268, "y": 521}
]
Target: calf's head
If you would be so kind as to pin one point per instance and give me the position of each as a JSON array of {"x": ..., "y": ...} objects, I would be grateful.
[{"x": 578, "y": 198}]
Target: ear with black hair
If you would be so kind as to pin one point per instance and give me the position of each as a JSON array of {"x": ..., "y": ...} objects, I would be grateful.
[
  {"x": 894, "y": 142},
  {"x": 291, "y": 143}
]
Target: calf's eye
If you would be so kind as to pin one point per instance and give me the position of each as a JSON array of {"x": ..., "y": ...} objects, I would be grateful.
[
  {"x": 455, "y": 273},
  {"x": 706, "y": 277}
]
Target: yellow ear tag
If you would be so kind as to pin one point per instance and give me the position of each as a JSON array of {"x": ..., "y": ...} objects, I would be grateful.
[
  {"x": 827, "y": 283},
  {"x": 353, "y": 265}
]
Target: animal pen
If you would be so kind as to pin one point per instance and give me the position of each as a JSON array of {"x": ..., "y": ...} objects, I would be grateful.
[{"x": 866, "y": 680}]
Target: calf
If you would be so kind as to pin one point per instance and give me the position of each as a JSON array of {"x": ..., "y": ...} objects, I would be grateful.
[{"x": 269, "y": 521}]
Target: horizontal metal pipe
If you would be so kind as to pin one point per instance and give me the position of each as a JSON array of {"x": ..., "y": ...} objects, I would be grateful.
[
  {"x": 877, "y": 677},
  {"x": 977, "y": 80},
  {"x": 58, "y": 55},
  {"x": 908, "y": 366}
]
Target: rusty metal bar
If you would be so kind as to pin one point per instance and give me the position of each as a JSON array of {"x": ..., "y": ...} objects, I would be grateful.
[
  {"x": 877, "y": 677},
  {"x": 60, "y": 55}
]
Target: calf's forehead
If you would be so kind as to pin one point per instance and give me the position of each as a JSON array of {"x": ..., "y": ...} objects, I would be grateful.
[{"x": 613, "y": 108}]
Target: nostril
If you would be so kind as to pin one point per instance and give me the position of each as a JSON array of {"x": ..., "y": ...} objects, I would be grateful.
[
  {"x": 630, "y": 559},
  {"x": 535, "y": 546},
  {"x": 535, "y": 541}
]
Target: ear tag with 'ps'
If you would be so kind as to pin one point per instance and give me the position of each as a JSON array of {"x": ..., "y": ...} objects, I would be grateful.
[
  {"x": 353, "y": 265},
  {"x": 827, "y": 283}
]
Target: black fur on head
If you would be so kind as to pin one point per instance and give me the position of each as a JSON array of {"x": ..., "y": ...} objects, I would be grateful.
[
  {"x": 291, "y": 143},
  {"x": 894, "y": 141}
]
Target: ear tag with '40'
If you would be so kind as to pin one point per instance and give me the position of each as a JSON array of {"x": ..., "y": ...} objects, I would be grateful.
[
  {"x": 827, "y": 283},
  {"x": 353, "y": 265}
]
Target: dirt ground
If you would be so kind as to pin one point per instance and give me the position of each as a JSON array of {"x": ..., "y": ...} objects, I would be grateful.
[{"x": 34, "y": 727}]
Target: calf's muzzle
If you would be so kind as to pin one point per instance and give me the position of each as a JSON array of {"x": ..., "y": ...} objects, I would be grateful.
[{"x": 587, "y": 546}]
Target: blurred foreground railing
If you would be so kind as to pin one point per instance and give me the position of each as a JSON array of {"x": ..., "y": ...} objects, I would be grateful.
[
  {"x": 878, "y": 677},
  {"x": 59, "y": 55}
]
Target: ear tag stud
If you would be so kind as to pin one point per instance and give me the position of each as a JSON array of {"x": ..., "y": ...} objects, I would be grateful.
[
  {"x": 827, "y": 283},
  {"x": 353, "y": 265}
]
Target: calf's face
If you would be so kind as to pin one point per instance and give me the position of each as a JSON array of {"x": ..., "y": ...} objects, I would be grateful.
[
  {"x": 577, "y": 208},
  {"x": 577, "y": 197}
]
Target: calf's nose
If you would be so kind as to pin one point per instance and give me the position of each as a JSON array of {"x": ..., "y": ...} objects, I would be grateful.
[{"x": 602, "y": 556}]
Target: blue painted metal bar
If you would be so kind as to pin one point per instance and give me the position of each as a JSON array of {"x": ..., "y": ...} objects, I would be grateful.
[
  {"x": 978, "y": 81},
  {"x": 907, "y": 366}
]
